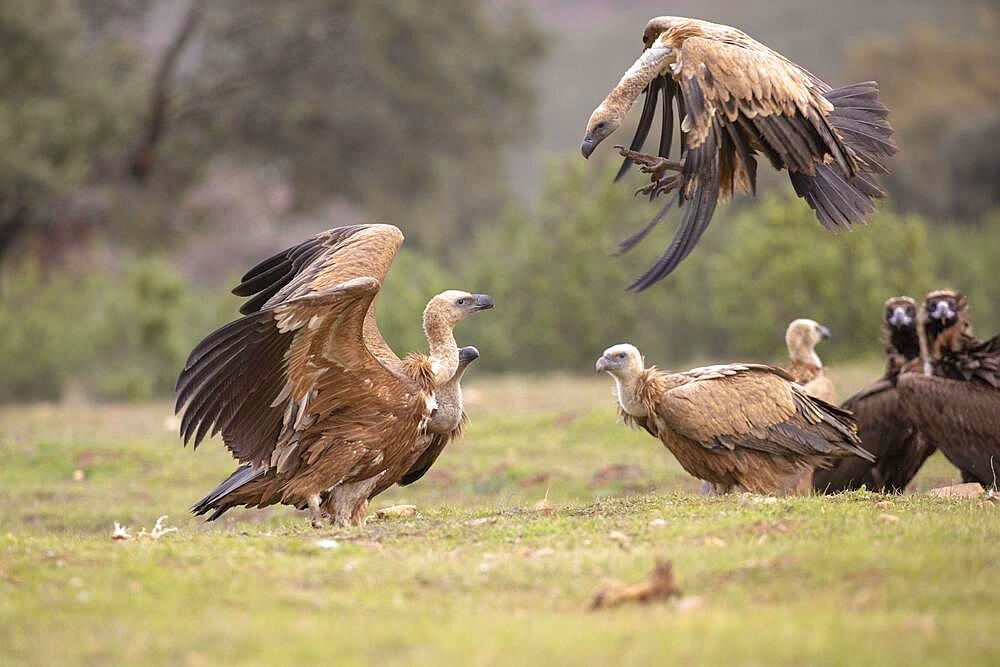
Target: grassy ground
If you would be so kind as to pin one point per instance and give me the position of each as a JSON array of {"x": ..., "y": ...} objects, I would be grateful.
[{"x": 481, "y": 576}]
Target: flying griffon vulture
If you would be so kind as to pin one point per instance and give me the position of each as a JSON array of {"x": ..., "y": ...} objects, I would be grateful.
[
  {"x": 806, "y": 368},
  {"x": 308, "y": 396},
  {"x": 955, "y": 403},
  {"x": 886, "y": 430},
  {"x": 743, "y": 426},
  {"x": 737, "y": 99}
]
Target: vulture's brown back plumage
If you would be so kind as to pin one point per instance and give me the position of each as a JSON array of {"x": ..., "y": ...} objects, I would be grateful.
[
  {"x": 746, "y": 426},
  {"x": 956, "y": 404}
]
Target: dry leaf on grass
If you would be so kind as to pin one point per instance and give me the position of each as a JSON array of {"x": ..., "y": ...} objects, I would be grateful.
[
  {"x": 659, "y": 586},
  {"x": 543, "y": 505},
  {"x": 121, "y": 534},
  {"x": 396, "y": 511},
  {"x": 619, "y": 538}
]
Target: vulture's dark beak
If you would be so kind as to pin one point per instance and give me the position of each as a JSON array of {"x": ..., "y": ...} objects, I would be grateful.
[
  {"x": 824, "y": 333},
  {"x": 942, "y": 312},
  {"x": 602, "y": 364},
  {"x": 482, "y": 302},
  {"x": 900, "y": 318},
  {"x": 588, "y": 145},
  {"x": 466, "y": 355}
]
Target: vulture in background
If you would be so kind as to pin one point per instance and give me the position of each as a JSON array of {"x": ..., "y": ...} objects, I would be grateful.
[
  {"x": 448, "y": 419},
  {"x": 743, "y": 426},
  {"x": 886, "y": 430},
  {"x": 737, "y": 99},
  {"x": 308, "y": 396},
  {"x": 955, "y": 402},
  {"x": 806, "y": 368}
]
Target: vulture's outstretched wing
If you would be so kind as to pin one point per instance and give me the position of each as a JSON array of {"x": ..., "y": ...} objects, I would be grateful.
[
  {"x": 266, "y": 378},
  {"x": 736, "y": 99},
  {"x": 961, "y": 418},
  {"x": 327, "y": 259},
  {"x": 757, "y": 407},
  {"x": 886, "y": 432}
]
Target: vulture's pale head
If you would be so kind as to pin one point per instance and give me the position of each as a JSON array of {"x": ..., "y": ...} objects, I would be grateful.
[
  {"x": 620, "y": 361},
  {"x": 901, "y": 313},
  {"x": 453, "y": 306},
  {"x": 605, "y": 120},
  {"x": 802, "y": 336}
]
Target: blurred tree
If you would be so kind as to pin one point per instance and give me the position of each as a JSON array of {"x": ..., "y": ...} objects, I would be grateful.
[
  {"x": 941, "y": 87},
  {"x": 58, "y": 114},
  {"x": 403, "y": 108}
]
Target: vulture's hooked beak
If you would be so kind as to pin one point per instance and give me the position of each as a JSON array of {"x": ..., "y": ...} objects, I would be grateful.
[
  {"x": 824, "y": 333},
  {"x": 466, "y": 355},
  {"x": 942, "y": 312},
  {"x": 482, "y": 302},
  {"x": 602, "y": 364},
  {"x": 588, "y": 145},
  {"x": 900, "y": 318}
]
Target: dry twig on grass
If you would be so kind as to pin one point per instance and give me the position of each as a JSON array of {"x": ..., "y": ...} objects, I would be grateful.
[
  {"x": 121, "y": 534},
  {"x": 659, "y": 586}
]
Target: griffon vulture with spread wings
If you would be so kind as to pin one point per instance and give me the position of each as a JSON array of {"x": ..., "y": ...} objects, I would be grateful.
[
  {"x": 737, "y": 99},
  {"x": 744, "y": 426},
  {"x": 955, "y": 403},
  {"x": 886, "y": 430},
  {"x": 308, "y": 396}
]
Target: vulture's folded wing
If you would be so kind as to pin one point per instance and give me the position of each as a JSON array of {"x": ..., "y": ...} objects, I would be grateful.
[
  {"x": 887, "y": 433},
  {"x": 324, "y": 261},
  {"x": 757, "y": 407},
  {"x": 961, "y": 418},
  {"x": 427, "y": 459},
  {"x": 268, "y": 375}
]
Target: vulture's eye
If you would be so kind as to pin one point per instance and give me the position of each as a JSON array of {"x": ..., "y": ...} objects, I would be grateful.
[
  {"x": 462, "y": 301},
  {"x": 600, "y": 126},
  {"x": 621, "y": 355}
]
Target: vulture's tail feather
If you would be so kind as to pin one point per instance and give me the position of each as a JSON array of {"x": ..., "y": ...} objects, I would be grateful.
[
  {"x": 839, "y": 199},
  {"x": 216, "y": 500}
]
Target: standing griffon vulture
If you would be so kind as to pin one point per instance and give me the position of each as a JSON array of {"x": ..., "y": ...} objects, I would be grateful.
[
  {"x": 747, "y": 426},
  {"x": 886, "y": 430},
  {"x": 955, "y": 403},
  {"x": 736, "y": 98},
  {"x": 306, "y": 393},
  {"x": 806, "y": 368},
  {"x": 448, "y": 419}
]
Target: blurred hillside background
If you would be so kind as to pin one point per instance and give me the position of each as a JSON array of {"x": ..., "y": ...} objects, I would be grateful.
[{"x": 152, "y": 150}]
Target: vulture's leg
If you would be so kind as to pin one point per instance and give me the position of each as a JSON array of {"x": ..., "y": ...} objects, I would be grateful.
[
  {"x": 804, "y": 484},
  {"x": 654, "y": 165},
  {"x": 315, "y": 513}
]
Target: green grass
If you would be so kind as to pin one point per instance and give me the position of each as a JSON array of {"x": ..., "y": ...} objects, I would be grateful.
[{"x": 479, "y": 577}]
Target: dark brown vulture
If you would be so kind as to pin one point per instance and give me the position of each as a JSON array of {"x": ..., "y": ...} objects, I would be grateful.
[
  {"x": 955, "y": 403},
  {"x": 744, "y": 426},
  {"x": 448, "y": 419},
  {"x": 886, "y": 430},
  {"x": 806, "y": 368},
  {"x": 736, "y": 98},
  {"x": 306, "y": 393}
]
